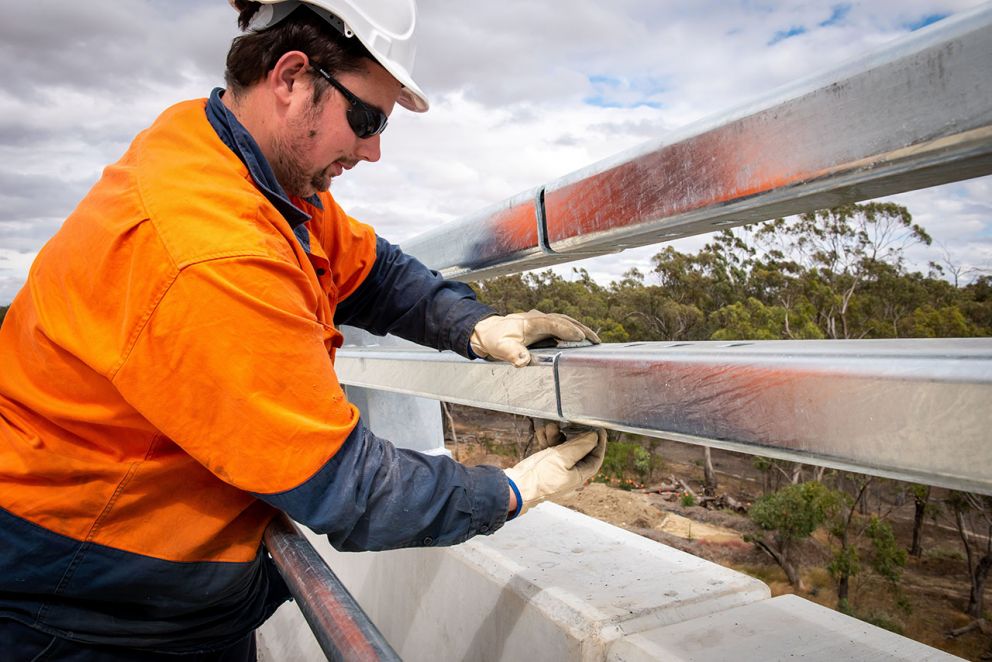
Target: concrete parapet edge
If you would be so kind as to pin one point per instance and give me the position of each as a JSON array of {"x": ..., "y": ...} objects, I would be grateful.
[
  {"x": 558, "y": 585},
  {"x": 553, "y": 585},
  {"x": 786, "y": 627}
]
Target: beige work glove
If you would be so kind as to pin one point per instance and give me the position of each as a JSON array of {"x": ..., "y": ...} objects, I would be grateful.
[
  {"x": 559, "y": 469},
  {"x": 506, "y": 338},
  {"x": 547, "y": 433}
]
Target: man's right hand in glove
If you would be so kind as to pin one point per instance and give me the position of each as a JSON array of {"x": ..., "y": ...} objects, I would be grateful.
[{"x": 559, "y": 469}]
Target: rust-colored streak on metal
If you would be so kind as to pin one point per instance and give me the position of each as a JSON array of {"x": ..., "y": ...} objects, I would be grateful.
[
  {"x": 516, "y": 228},
  {"x": 330, "y": 610},
  {"x": 727, "y": 164},
  {"x": 336, "y": 619},
  {"x": 759, "y": 405}
]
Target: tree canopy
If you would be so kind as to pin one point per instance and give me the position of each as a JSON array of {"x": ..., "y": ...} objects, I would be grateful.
[{"x": 836, "y": 273}]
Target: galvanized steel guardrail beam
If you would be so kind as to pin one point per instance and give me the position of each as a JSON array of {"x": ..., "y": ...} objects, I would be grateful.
[
  {"x": 916, "y": 410},
  {"x": 915, "y": 114}
]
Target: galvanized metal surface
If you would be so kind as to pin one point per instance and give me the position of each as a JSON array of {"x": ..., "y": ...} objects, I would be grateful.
[
  {"x": 503, "y": 237},
  {"x": 447, "y": 376},
  {"x": 917, "y": 410},
  {"x": 917, "y": 113},
  {"x": 342, "y": 629}
]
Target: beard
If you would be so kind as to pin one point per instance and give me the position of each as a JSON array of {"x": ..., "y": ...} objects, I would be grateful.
[{"x": 287, "y": 165}]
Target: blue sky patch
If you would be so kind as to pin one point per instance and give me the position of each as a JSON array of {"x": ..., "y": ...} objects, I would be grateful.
[
  {"x": 924, "y": 21},
  {"x": 782, "y": 35},
  {"x": 603, "y": 102},
  {"x": 837, "y": 16},
  {"x": 599, "y": 79},
  {"x": 617, "y": 92}
]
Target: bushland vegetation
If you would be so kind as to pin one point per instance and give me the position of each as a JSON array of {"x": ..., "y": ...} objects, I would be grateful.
[{"x": 837, "y": 273}]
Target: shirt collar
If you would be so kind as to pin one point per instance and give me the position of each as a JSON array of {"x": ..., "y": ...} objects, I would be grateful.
[{"x": 237, "y": 138}]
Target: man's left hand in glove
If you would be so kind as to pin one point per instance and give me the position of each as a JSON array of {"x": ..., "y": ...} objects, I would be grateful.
[{"x": 505, "y": 338}]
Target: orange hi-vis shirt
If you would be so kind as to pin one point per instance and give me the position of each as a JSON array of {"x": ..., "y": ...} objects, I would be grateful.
[
  {"x": 141, "y": 403},
  {"x": 171, "y": 352}
]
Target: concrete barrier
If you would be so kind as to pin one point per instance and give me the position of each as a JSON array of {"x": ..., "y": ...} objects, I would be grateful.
[
  {"x": 786, "y": 627},
  {"x": 558, "y": 585},
  {"x": 553, "y": 585}
]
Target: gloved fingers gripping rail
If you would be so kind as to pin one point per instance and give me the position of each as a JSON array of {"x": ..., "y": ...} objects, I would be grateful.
[
  {"x": 567, "y": 325},
  {"x": 506, "y": 338},
  {"x": 559, "y": 469},
  {"x": 547, "y": 433}
]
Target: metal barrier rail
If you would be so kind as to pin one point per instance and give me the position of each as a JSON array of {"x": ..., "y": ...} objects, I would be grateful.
[
  {"x": 915, "y": 114},
  {"x": 916, "y": 410},
  {"x": 342, "y": 629}
]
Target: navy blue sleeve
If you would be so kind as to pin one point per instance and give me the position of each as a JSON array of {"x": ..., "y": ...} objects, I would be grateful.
[
  {"x": 403, "y": 297},
  {"x": 374, "y": 496}
]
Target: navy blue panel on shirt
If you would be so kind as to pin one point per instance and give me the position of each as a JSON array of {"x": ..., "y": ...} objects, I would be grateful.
[
  {"x": 125, "y": 599},
  {"x": 236, "y": 137},
  {"x": 19, "y": 642},
  {"x": 374, "y": 496},
  {"x": 403, "y": 297}
]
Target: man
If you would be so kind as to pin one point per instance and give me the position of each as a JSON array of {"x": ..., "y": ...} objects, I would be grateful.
[{"x": 168, "y": 379}]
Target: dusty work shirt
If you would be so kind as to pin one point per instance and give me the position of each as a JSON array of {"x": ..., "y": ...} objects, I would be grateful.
[{"x": 168, "y": 383}]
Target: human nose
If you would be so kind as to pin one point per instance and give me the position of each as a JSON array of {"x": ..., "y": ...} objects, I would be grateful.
[{"x": 368, "y": 149}]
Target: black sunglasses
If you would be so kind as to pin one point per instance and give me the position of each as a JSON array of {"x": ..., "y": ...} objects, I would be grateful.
[{"x": 365, "y": 120}]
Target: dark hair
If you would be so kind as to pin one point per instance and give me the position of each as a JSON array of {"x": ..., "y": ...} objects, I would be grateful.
[{"x": 254, "y": 54}]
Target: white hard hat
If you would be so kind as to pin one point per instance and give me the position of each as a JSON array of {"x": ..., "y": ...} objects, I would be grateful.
[{"x": 385, "y": 28}]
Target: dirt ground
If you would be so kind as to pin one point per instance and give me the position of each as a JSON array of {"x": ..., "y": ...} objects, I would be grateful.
[{"x": 932, "y": 592}]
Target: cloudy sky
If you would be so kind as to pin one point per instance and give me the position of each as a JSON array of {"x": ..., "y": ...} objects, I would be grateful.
[{"x": 522, "y": 92}]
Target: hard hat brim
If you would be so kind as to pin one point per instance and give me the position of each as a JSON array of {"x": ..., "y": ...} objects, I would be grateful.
[{"x": 411, "y": 97}]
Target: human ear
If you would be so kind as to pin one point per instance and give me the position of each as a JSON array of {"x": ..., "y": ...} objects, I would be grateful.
[{"x": 285, "y": 76}]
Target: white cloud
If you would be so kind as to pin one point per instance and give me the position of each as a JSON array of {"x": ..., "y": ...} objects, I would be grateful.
[
  {"x": 522, "y": 93},
  {"x": 959, "y": 218}
]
